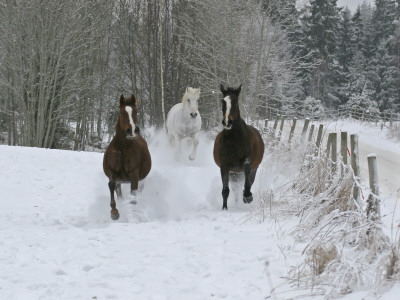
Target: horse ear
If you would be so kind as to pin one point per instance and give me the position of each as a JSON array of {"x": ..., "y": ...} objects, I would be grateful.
[
  {"x": 238, "y": 90},
  {"x": 121, "y": 100},
  {"x": 222, "y": 89}
]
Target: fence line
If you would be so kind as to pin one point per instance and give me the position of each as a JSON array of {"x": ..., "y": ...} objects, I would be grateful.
[
  {"x": 373, "y": 202},
  {"x": 300, "y": 112}
]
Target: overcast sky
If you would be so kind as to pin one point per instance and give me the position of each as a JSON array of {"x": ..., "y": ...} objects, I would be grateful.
[{"x": 352, "y": 4}]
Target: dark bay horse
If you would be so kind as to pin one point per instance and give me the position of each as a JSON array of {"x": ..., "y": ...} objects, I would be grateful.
[
  {"x": 127, "y": 158},
  {"x": 238, "y": 147}
]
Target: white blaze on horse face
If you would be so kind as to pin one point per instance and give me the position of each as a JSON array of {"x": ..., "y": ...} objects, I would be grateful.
[
  {"x": 129, "y": 111},
  {"x": 228, "y": 102},
  {"x": 193, "y": 103}
]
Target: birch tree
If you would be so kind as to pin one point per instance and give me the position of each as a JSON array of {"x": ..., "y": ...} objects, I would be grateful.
[{"x": 43, "y": 40}]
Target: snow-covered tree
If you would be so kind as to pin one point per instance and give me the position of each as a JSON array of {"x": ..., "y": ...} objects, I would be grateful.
[
  {"x": 313, "y": 108},
  {"x": 320, "y": 24},
  {"x": 361, "y": 105}
]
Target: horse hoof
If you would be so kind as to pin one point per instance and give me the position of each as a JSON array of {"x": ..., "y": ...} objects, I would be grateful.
[
  {"x": 248, "y": 199},
  {"x": 224, "y": 207},
  {"x": 133, "y": 202},
  {"x": 114, "y": 215},
  {"x": 191, "y": 158}
]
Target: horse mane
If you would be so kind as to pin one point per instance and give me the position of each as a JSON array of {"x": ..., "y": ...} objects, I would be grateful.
[
  {"x": 184, "y": 98},
  {"x": 230, "y": 90},
  {"x": 188, "y": 91}
]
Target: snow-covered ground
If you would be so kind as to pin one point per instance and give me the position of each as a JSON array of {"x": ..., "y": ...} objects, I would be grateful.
[{"x": 57, "y": 240}]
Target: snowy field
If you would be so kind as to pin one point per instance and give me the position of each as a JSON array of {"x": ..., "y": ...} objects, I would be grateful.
[{"x": 57, "y": 240}]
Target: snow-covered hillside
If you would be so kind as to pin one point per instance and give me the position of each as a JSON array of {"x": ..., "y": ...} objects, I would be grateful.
[{"x": 57, "y": 240}]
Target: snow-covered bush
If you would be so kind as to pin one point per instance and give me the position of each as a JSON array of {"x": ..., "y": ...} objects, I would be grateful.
[
  {"x": 313, "y": 108},
  {"x": 362, "y": 107},
  {"x": 338, "y": 242},
  {"x": 394, "y": 131}
]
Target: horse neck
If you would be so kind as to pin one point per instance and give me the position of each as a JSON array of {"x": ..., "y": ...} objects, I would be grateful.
[
  {"x": 239, "y": 124},
  {"x": 119, "y": 135},
  {"x": 239, "y": 127},
  {"x": 185, "y": 109}
]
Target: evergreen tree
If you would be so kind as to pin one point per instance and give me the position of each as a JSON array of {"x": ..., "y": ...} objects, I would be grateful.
[
  {"x": 357, "y": 41},
  {"x": 385, "y": 71},
  {"x": 383, "y": 18},
  {"x": 344, "y": 55},
  {"x": 320, "y": 25}
]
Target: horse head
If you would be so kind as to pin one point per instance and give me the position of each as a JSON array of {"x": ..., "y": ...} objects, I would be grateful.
[
  {"x": 230, "y": 105},
  {"x": 127, "y": 117},
  {"x": 190, "y": 101}
]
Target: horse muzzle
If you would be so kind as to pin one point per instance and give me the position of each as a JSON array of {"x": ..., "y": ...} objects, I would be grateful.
[
  {"x": 132, "y": 135},
  {"x": 193, "y": 115},
  {"x": 227, "y": 126}
]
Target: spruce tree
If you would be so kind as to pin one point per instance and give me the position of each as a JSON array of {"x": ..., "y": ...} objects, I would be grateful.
[
  {"x": 320, "y": 25},
  {"x": 344, "y": 55},
  {"x": 385, "y": 71}
]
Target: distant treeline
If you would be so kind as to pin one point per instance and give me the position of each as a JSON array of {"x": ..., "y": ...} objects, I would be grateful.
[{"x": 64, "y": 64}]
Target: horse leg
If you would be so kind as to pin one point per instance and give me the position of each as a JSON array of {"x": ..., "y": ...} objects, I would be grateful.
[
  {"x": 114, "y": 210},
  {"x": 248, "y": 181},
  {"x": 118, "y": 190},
  {"x": 225, "y": 187},
  {"x": 179, "y": 144},
  {"x": 172, "y": 140},
  {"x": 134, "y": 185},
  {"x": 192, "y": 156}
]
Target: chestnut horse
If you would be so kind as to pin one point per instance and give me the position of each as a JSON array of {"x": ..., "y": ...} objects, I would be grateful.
[
  {"x": 238, "y": 147},
  {"x": 127, "y": 158}
]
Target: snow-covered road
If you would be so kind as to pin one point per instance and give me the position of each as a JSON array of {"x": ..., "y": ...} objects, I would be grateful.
[
  {"x": 57, "y": 240},
  {"x": 372, "y": 139}
]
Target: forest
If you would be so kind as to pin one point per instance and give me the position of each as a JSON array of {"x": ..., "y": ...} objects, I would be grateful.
[{"x": 64, "y": 64}]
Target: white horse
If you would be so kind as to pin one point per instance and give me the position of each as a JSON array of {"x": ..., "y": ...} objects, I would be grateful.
[{"x": 184, "y": 121}]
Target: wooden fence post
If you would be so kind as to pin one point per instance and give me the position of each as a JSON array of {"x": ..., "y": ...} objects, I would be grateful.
[
  {"x": 355, "y": 164},
  {"x": 310, "y": 135},
  {"x": 275, "y": 124},
  {"x": 306, "y": 122},
  {"x": 281, "y": 128},
  {"x": 391, "y": 120},
  {"x": 343, "y": 146},
  {"x": 373, "y": 205},
  {"x": 292, "y": 129},
  {"x": 319, "y": 136},
  {"x": 265, "y": 124},
  {"x": 332, "y": 142},
  {"x": 329, "y": 145}
]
